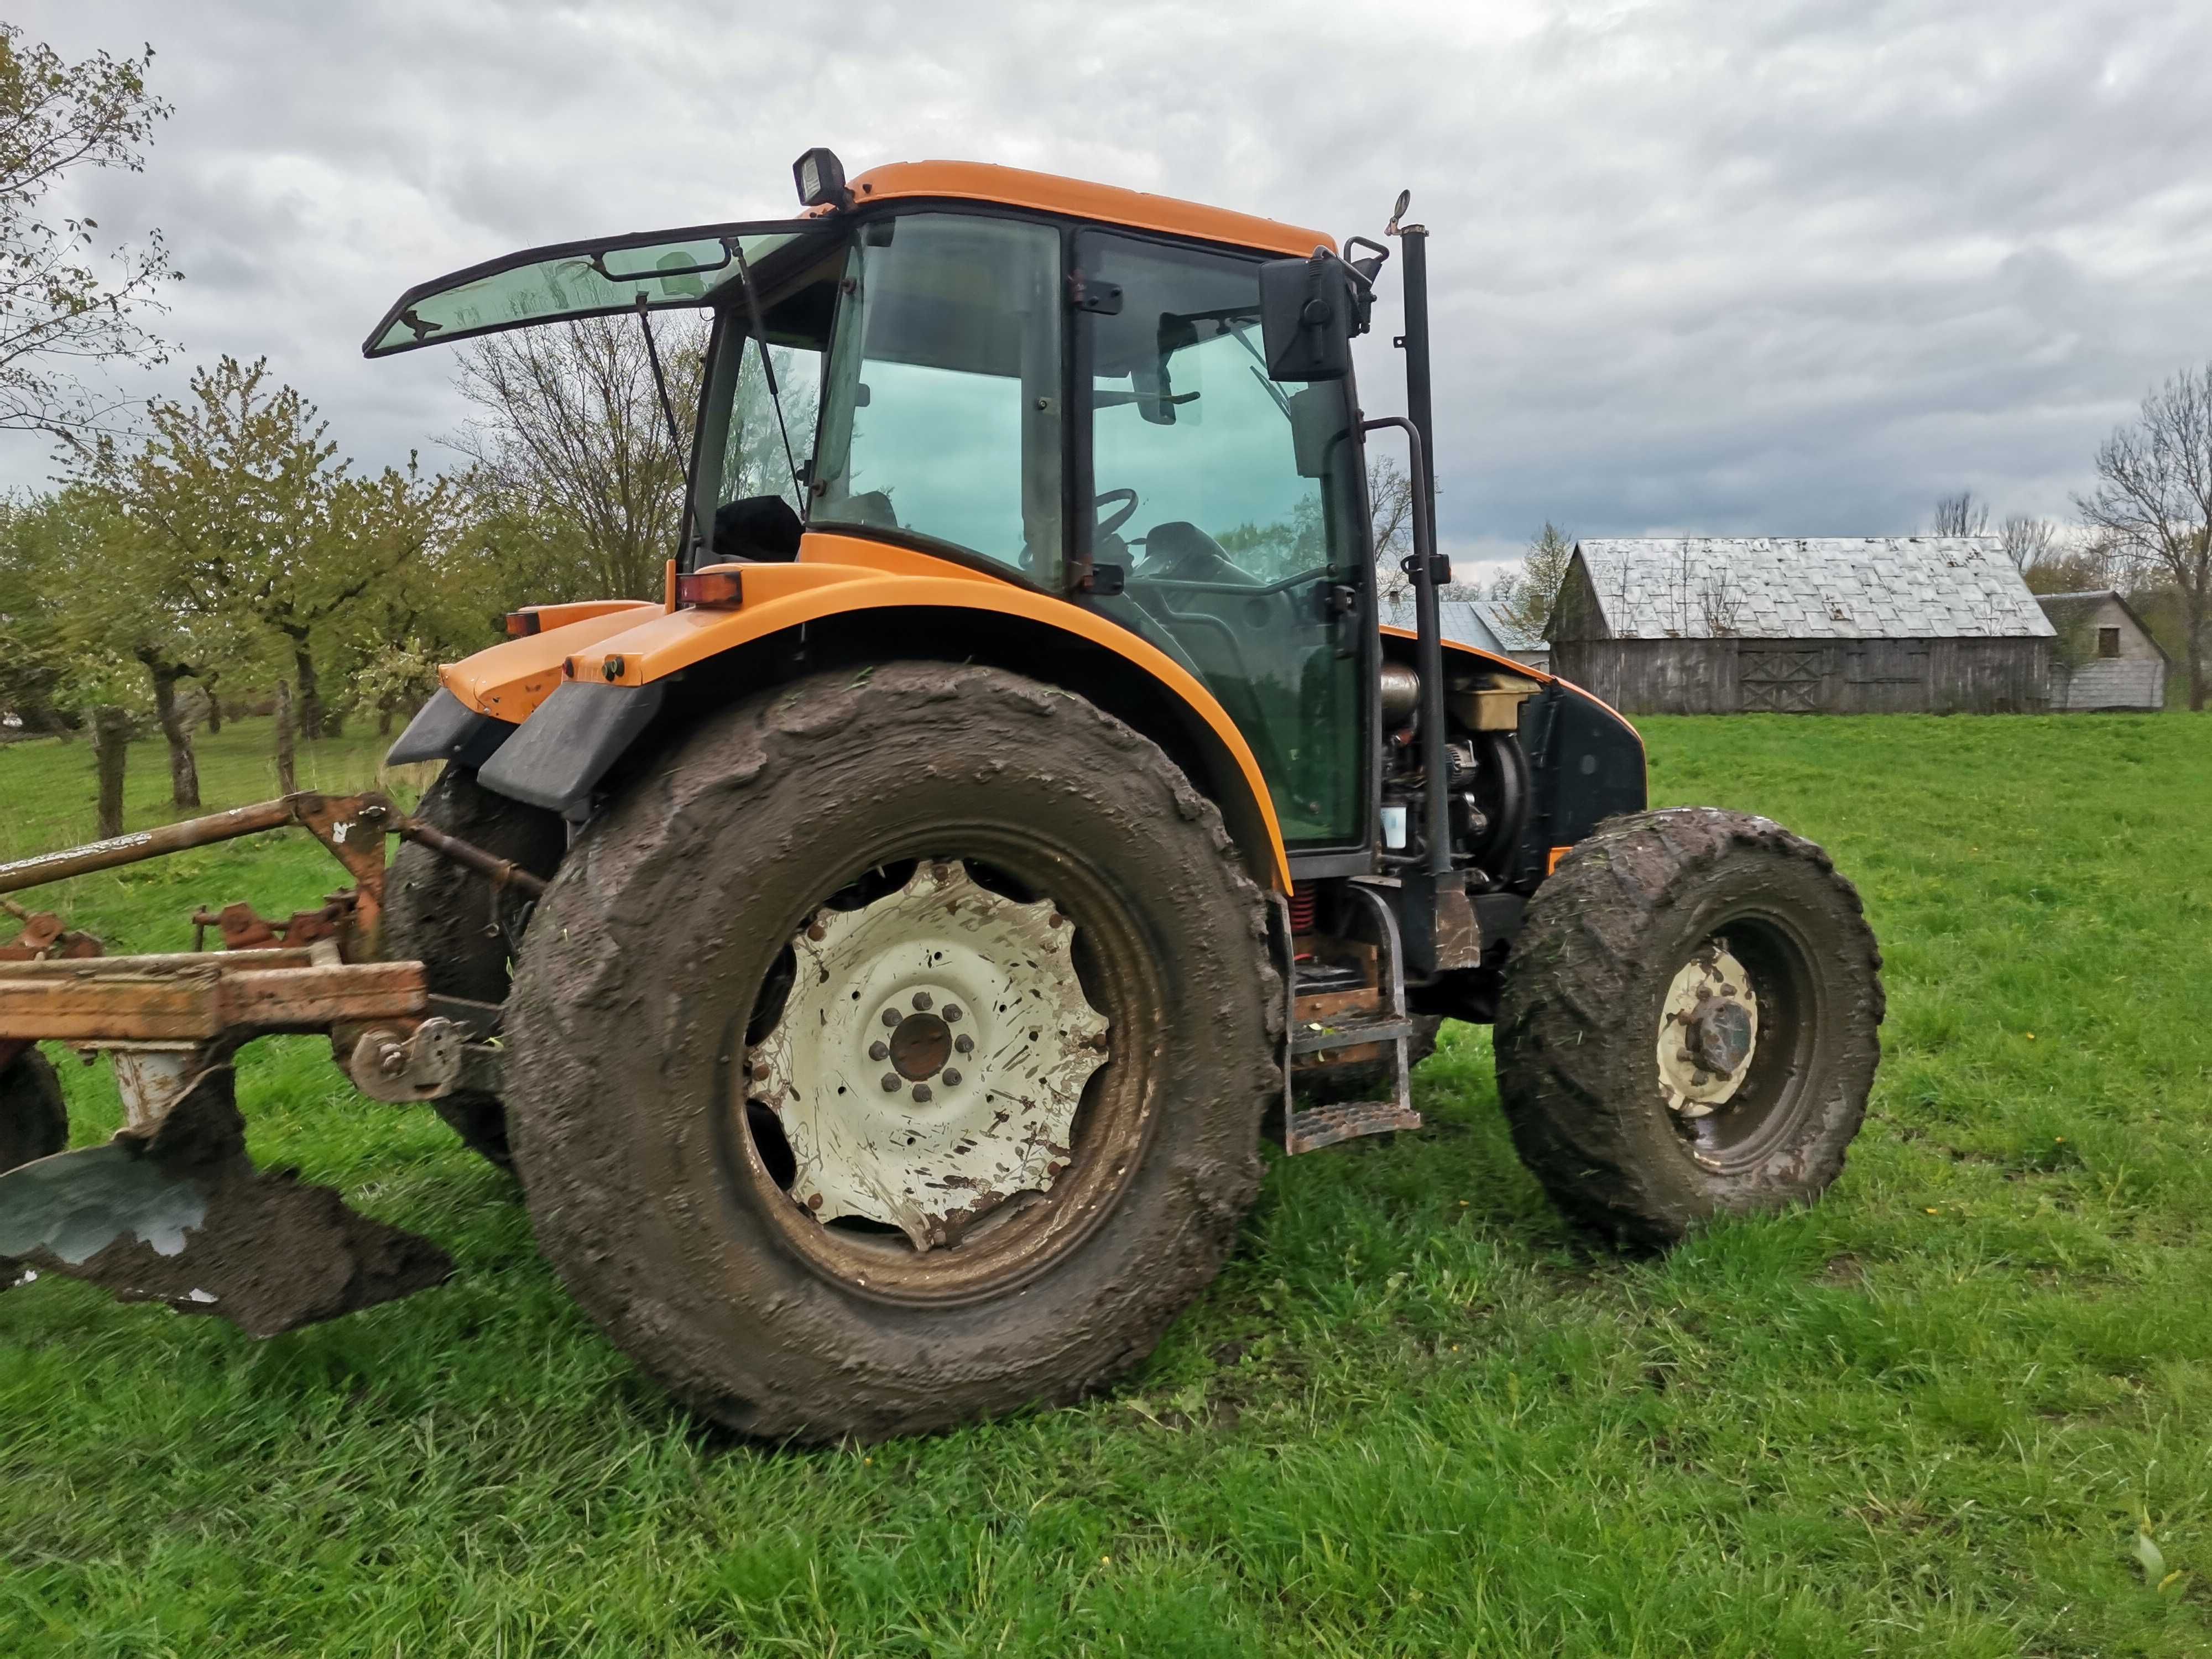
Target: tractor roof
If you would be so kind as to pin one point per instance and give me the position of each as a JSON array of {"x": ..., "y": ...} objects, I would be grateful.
[{"x": 979, "y": 181}]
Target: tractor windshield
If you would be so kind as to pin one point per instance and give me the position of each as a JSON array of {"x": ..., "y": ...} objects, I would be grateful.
[
  {"x": 665, "y": 269},
  {"x": 941, "y": 414}
]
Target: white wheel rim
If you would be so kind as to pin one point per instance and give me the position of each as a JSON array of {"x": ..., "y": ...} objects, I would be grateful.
[
  {"x": 1707, "y": 1032},
  {"x": 929, "y": 1060}
]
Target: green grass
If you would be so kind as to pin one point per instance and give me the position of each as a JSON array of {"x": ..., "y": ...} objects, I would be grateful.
[
  {"x": 1413, "y": 1417},
  {"x": 49, "y": 794}
]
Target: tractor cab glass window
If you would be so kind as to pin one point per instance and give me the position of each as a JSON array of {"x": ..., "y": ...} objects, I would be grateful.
[
  {"x": 743, "y": 460},
  {"x": 941, "y": 414},
  {"x": 1231, "y": 504},
  {"x": 668, "y": 270}
]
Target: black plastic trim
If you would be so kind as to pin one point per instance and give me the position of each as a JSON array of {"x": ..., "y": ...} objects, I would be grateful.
[
  {"x": 447, "y": 729},
  {"x": 567, "y": 745}
]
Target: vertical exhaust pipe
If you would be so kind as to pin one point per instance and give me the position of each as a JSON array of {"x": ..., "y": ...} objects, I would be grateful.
[{"x": 1429, "y": 647}]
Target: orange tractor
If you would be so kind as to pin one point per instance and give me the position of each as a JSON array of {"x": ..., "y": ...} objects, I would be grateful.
[{"x": 880, "y": 955}]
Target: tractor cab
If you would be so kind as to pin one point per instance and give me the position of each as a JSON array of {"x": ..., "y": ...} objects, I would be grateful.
[{"x": 964, "y": 361}]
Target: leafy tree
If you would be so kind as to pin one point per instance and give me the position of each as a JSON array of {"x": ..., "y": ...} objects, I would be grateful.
[
  {"x": 2152, "y": 502},
  {"x": 253, "y": 529},
  {"x": 56, "y": 309},
  {"x": 1525, "y": 596}
]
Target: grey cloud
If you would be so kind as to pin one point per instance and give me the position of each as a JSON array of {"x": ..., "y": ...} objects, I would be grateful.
[{"x": 1718, "y": 266}]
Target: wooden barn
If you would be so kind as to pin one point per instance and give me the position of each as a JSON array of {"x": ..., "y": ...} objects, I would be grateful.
[
  {"x": 2104, "y": 657},
  {"x": 1833, "y": 625}
]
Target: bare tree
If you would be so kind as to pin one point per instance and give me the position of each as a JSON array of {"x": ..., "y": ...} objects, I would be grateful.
[
  {"x": 2154, "y": 501},
  {"x": 56, "y": 309},
  {"x": 1390, "y": 498},
  {"x": 2029, "y": 541},
  {"x": 1720, "y": 602},
  {"x": 1961, "y": 515},
  {"x": 569, "y": 428}
]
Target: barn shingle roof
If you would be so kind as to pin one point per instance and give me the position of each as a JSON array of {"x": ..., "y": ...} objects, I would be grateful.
[{"x": 1813, "y": 587}]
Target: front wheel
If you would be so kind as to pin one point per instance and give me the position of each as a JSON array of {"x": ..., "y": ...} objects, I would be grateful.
[
  {"x": 1689, "y": 1025},
  {"x": 893, "y": 1054}
]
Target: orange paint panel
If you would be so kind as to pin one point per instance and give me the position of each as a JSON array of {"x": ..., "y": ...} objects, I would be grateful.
[
  {"x": 784, "y": 596},
  {"x": 1558, "y": 852},
  {"x": 509, "y": 681},
  {"x": 550, "y": 616},
  {"x": 978, "y": 182}
]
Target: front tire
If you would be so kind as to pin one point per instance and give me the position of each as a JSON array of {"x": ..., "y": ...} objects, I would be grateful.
[
  {"x": 655, "y": 1073},
  {"x": 1689, "y": 1025}
]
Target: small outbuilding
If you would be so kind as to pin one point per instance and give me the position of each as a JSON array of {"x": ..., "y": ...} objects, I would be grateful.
[
  {"x": 1876, "y": 625},
  {"x": 2104, "y": 657}
]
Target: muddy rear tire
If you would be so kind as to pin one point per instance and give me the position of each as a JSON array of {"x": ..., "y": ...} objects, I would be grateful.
[
  {"x": 33, "y": 1116},
  {"x": 1690, "y": 1024},
  {"x": 647, "y": 1010},
  {"x": 442, "y": 914}
]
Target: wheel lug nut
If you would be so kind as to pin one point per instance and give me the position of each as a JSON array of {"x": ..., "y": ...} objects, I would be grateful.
[
  {"x": 879, "y": 1051},
  {"x": 921, "y": 1001},
  {"x": 890, "y": 1083},
  {"x": 964, "y": 1043},
  {"x": 921, "y": 1094},
  {"x": 951, "y": 1013},
  {"x": 891, "y": 1016},
  {"x": 952, "y": 1076}
]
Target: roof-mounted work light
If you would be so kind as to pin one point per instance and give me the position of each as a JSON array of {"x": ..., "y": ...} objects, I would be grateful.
[{"x": 820, "y": 177}]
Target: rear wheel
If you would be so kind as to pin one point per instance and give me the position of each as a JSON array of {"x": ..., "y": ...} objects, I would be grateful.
[
  {"x": 1690, "y": 1024},
  {"x": 896, "y": 1056},
  {"x": 448, "y": 918},
  {"x": 33, "y": 1116}
]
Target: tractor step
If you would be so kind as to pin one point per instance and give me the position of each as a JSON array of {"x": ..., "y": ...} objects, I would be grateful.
[
  {"x": 1317, "y": 1127},
  {"x": 1318, "y": 1039},
  {"x": 1376, "y": 1019}
]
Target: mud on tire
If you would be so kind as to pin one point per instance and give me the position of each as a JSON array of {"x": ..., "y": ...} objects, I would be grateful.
[
  {"x": 1580, "y": 1020},
  {"x": 442, "y": 914},
  {"x": 628, "y": 1035}
]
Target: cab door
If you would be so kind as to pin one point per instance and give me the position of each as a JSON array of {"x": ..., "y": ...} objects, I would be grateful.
[{"x": 1232, "y": 512}]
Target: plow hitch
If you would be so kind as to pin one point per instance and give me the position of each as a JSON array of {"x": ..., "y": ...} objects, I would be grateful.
[{"x": 172, "y": 1209}]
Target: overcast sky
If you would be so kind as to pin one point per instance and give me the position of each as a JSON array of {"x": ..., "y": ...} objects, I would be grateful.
[{"x": 1725, "y": 267}]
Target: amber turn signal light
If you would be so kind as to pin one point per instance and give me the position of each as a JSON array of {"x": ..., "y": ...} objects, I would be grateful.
[
  {"x": 521, "y": 624},
  {"x": 712, "y": 590}
]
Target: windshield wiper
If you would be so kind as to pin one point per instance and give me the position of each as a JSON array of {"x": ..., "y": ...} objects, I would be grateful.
[
  {"x": 768, "y": 368},
  {"x": 668, "y": 414}
]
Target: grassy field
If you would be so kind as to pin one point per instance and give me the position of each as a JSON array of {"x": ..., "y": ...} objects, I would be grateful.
[
  {"x": 49, "y": 795},
  {"x": 1934, "y": 1415}
]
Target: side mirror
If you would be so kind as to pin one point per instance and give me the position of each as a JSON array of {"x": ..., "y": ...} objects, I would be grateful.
[{"x": 1305, "y": 319}]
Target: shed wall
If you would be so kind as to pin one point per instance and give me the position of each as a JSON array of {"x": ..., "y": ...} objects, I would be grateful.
[{"x": 1828, "y": 677}]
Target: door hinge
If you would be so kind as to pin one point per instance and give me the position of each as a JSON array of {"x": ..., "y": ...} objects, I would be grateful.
[{"x": 1090, "y": 294}]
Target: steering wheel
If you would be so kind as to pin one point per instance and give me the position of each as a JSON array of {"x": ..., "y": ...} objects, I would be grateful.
[{"x": 1120, "y": 515}]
